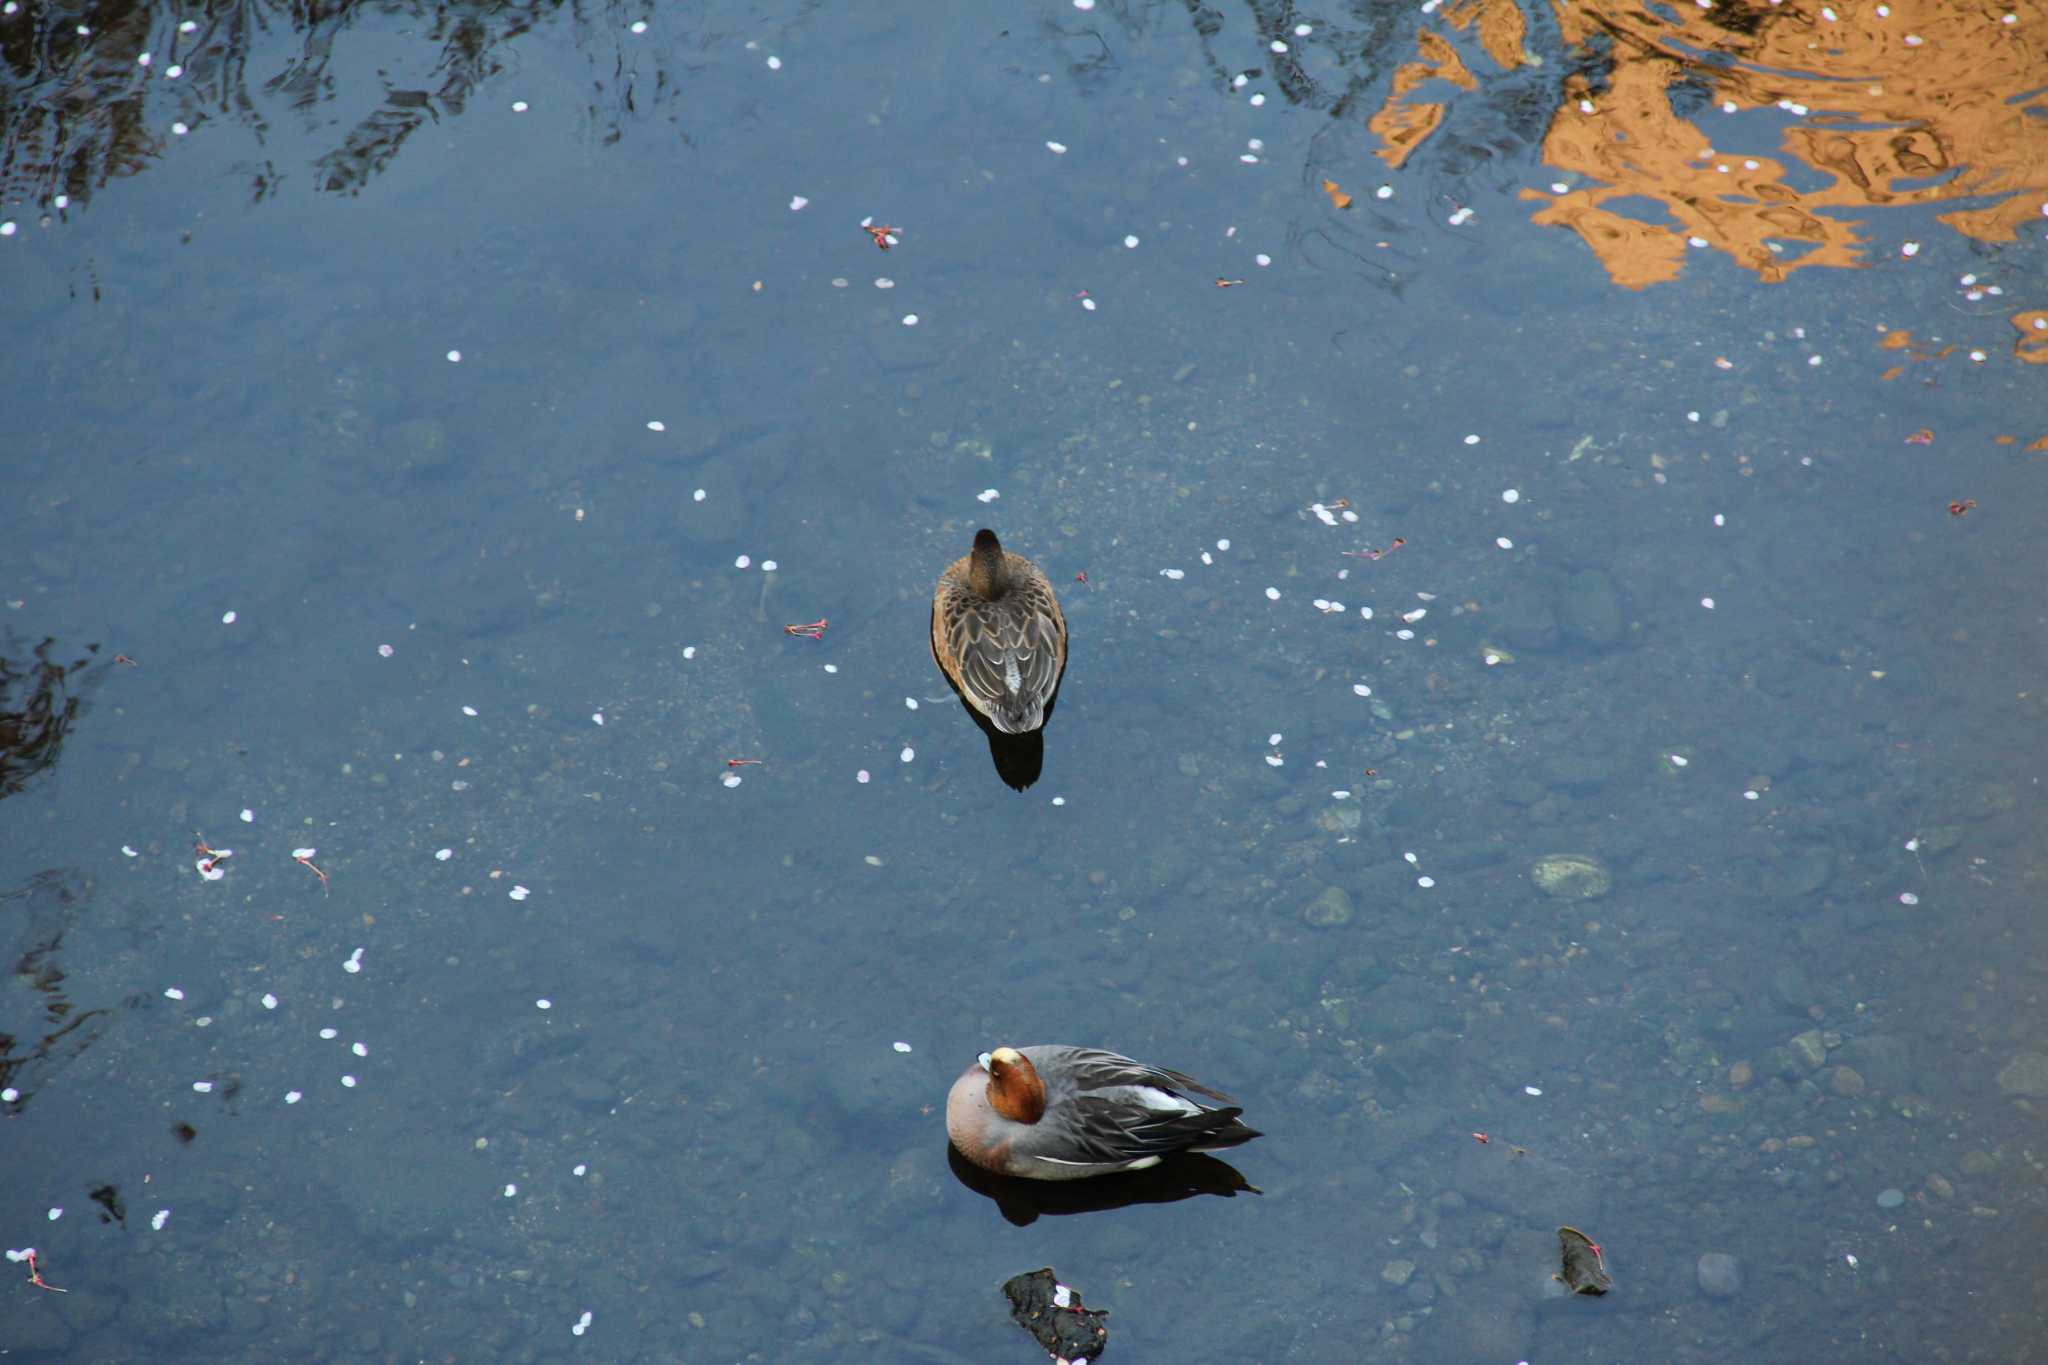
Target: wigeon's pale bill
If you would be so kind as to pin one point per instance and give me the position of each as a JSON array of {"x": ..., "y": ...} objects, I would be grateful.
[
  {"x": 998, "y": 634},
  {"x": 1063, "y": 1113}
]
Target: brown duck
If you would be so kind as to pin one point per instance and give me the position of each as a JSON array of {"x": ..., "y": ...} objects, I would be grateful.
[{"x": 998, "y": 634}]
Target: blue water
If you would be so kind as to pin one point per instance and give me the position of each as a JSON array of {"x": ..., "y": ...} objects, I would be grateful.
[{"x": 672, "y": 1052}]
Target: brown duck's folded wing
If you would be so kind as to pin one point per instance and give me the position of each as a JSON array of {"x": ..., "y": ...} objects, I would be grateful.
[
  {"x": 1037, "y": 643},
  {"x": 983, "y": 639},
  {"x": 974, "y": 649}
]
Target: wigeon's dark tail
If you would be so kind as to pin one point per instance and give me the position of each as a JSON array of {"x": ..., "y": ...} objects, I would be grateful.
[{"x": 1225, "y": 1130}]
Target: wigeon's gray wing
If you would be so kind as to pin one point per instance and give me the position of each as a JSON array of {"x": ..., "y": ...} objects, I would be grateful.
[
  {"x": 1112, "y": 1110},
  {"x": 1105, "y": 1129},
  {"x": 1094, "y": 1068}
]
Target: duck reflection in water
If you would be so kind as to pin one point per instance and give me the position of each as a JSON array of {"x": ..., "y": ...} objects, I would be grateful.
[{"x": 1021, "y": 1202}]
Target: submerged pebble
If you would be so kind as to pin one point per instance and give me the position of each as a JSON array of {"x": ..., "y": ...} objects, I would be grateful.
[{"x": 1720, "y": 1275}]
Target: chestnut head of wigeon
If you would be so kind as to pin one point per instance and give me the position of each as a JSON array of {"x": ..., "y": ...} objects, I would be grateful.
[{"x": 1014, "y": 1090}]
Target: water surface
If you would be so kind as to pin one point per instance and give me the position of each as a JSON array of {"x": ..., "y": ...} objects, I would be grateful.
[{"x": 480, "y": 361}]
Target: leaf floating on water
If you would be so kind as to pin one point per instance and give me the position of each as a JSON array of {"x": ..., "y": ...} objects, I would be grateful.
[
  {"x": 1337, "y": 195},
  {"x": 1055, "y": 1316},
  {"x": 1585, "y": 1267}
]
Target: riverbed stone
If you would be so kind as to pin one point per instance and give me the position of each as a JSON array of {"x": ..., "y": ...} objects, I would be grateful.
[
  {"x": 1330, "y": 909},
  {"x": 2026, "y": 1074},
  {"x": 1720, "y": 1275},
  {"x": 1809, "y": 1047}
]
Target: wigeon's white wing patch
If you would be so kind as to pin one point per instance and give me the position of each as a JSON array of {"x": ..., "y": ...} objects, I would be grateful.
[
  {"x": 1142, "y": 1163},
  {"x": 1155, "y": 1100}
]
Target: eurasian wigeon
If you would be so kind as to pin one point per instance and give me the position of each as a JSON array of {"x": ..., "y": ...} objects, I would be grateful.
[
  {"x": 1063, "y": 1113},
  {"x": 998, "y": 634}
]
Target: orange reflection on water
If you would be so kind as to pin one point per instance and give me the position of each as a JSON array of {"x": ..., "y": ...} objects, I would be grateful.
[
  {"x": 1929, "y": 102},
  {"x": 1402, "y": 125},
  {"x": 2032, "y": 345}
]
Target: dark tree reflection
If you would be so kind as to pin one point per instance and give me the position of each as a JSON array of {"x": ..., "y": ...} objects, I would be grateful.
[
  {"x": 90, "y": 93},
  {"x": 39, "y": 700}
]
